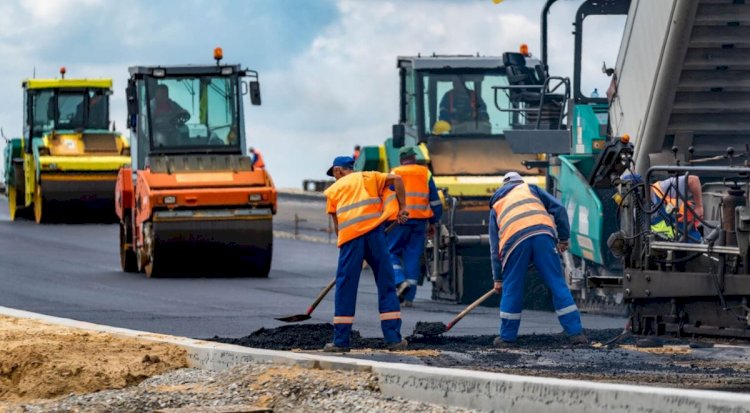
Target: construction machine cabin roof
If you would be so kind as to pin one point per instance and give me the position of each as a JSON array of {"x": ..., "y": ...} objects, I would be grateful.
[
  {"x": 67, "y": 83},
  {"x": 451, "y": 62},
  {"x": 185, "y": 70}
]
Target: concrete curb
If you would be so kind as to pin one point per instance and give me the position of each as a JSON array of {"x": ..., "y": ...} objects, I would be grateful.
[{"x": 491, "y": 392}]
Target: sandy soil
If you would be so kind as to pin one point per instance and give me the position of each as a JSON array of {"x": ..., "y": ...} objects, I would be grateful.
[{"x": 43, "y": 361}]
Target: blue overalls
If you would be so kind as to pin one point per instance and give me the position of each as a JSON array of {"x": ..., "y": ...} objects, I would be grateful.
[
  {"x": 537, "y": 244},
  {"x": 406, "y": 244},
  {"x": 372, "y": 248}
]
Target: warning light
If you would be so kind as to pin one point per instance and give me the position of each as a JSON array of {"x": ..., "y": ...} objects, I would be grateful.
[
  {"x": 524, "y": 49},
  {"x": 63, "y": 71},
  {"x": 497, "y": 1},
  {"x": 218, "y": 54},
  {"x": 625, "y": 138}
]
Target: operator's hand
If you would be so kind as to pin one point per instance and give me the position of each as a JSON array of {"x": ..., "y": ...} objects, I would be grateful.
[
  {"x": 562, "y": 246},
  {"x": 498, "y": 286},
  {"x": 430, "y": 230},
  {"x": 403, "y": 216}
]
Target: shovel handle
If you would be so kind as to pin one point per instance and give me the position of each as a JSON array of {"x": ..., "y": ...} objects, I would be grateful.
[
  {"x": 320, "y": 296},
  {"x": 468, "y": 309},
  {"x": 390, "y": 227}
]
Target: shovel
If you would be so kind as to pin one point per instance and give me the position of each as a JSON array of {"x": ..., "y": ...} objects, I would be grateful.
[
  {"x": 302, "y": 317},
  {"x": 306, "y": 316},
  {"x": 435, "y": 329}
]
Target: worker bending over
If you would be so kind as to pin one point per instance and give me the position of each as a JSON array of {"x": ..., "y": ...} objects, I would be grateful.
[
  {"x": 522, "y": 231},
  {"x": 669, "y": 222},
  {"x": 257, "y": 158},
  {"x": 406, "y": 242},
  {"x": 357, "y": 204}
]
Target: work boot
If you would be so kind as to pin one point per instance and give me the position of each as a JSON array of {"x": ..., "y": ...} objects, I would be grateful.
[
  {"x": 408, "y": 303},
  {"x": 579, "y": 340},
  {"x": 332, "y": 348},
  {"x": 401, "y": 291},
  {"x": 398, "y": 346},
  {"x": 498, "y": 342}
]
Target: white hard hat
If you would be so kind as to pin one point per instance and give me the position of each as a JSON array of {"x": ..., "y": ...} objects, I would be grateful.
[{"x": 512, "y": 177}]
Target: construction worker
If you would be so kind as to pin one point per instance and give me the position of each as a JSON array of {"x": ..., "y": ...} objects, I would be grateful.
[
  {"x": 358, "y": 204},
  {"x": 406, "y": 242},
  {"x": 168, "y": 118},
  {"x": 461, "y": 104},
  {"x": 357, "y": 150},
  {"x": 670, "y": 224},
  {"x": 257, "y": 158},
  {"x": 524, "y": 223}
]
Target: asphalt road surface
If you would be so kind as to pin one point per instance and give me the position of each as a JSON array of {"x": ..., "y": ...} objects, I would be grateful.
[{"x": 73, "y": 271}]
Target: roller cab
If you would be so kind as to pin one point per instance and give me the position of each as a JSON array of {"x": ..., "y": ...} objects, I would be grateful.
[
  {"x": 192, "y": 201},
  {"x": 67, "y": 160},
  {"x": 448, "y": 112}
]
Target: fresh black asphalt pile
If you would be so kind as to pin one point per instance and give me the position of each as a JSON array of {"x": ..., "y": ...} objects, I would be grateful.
[
  {"x": 674, "y": 364},
  {"x": 315, "y": 336}
]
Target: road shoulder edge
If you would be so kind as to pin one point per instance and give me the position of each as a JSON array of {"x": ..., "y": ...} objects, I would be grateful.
[{"x": 482, "y": 391}]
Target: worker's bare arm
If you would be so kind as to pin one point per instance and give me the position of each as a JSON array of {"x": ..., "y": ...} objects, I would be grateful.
[
  {"x": 694, "y": 186},
  {"x": 398, "y": 184},
  {"x": 335, "y": 223}
]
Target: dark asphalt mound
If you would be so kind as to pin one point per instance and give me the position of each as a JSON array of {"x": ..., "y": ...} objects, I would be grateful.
[{"x": 315, "y": 336}]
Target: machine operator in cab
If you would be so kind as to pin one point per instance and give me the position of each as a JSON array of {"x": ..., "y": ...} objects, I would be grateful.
[
  {"x": 407, "y": 242},
  {"x": 359, "y": 203},
  {"x": 525, "y": 225},
  {"x": 168, "y": 118},
  {"x": 461, "y": 105}
]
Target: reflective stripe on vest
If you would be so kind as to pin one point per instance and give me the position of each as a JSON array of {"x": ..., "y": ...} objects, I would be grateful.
[
  {"x": 359, "y": 208},
  {"x": 417, "y": 187},
  {"x": 517, "y": 210}
]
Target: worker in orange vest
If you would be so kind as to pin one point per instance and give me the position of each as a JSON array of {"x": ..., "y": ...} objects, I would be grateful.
[
  {"x": 257, "y": 158},
  {"x": 359, "y": 203},
  {"x": 406, "y": 242},
  {"x": 357, "y": 150},
  {"x": 529, "y": 225}
]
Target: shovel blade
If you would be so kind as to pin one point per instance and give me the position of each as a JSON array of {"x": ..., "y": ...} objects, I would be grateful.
[
  {"x": 430, "y": 329},
  {"x": 294, "y": 318}
]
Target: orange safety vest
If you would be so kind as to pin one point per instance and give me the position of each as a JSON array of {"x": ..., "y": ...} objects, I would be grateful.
[
  {"x": 417, "y": 185},
  {"x": 358, "y": 200},
  {"x": 668, "y": 200},
  {"x": 517, "y": 210}
]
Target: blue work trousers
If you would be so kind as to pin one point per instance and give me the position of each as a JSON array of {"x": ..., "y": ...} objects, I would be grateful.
[
  {"x": 542, "y": 251},
  {"x": 406, "y": 245},
  {"x": 372, "y": 248}
]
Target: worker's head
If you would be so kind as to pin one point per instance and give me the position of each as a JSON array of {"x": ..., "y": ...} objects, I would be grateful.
[
  {"x": 458, "y": 84},
  {"x": 408, "y": 155},
  {"x": 251, "y": 149},
  {"x": 341, "y": 167},
  {"x": 357, "y": 147},
  {"x": 512, "y": 177},
  {"x": 162, "y": 93}
]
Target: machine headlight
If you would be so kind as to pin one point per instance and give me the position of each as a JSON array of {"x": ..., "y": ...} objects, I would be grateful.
[
  {"x": 43, "y": 151},
  {"x": 125, "y": 151},
  {"x": 226, "y": 71},
  {"x": 255, "y": 197},
  {"x": 169, "y": 200},
  {"x": 159, "y": 72}
]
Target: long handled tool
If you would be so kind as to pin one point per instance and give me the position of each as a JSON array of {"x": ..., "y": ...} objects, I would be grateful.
[
  {"x": 306, "y": 316},
  {"x": 435, "y": 329},
  {"x": 318, "y": 299}
]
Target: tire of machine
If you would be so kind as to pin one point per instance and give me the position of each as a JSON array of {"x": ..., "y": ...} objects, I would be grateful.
[
  {"x": 261, "y": 266},
  {"x": 153, "y": 266},
  {"x": 128, "y": 258}
]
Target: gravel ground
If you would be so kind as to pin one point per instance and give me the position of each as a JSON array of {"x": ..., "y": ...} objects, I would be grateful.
[{"x": 282, "y": 388}]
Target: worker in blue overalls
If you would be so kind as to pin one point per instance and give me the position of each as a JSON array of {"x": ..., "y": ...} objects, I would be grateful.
[
  {"x": 407, "y": 242},
  {"x": 525, "y": 222},
  {"x": 359, "y": 203}
]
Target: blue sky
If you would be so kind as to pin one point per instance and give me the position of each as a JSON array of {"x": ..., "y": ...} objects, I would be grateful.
[{"x": 327, "y": 67}]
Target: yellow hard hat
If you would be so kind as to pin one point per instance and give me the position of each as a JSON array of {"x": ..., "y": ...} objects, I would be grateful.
[{"x": 441, "y": 127}]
